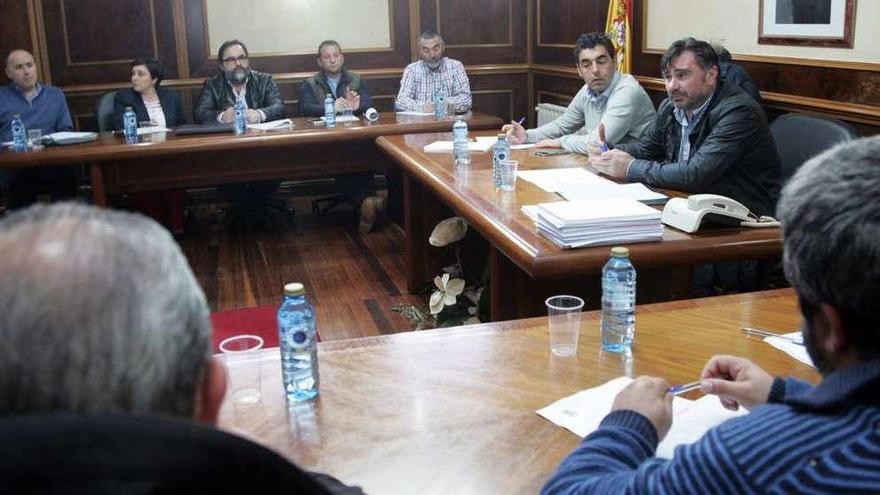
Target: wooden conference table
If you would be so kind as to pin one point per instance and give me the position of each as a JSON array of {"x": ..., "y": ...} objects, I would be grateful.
[
  {"x": 453, "y": 410},
  {"x": 166, "y": 161},
  {"x": 526, "y": 267}
]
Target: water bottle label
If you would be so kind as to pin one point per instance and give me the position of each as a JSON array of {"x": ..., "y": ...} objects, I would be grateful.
[{"x": 299, "y": 339}]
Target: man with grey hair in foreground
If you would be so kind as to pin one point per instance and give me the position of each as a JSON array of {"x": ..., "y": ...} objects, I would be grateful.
[
  {"x": 798, "y": 438},
  {"x": 103, "y": 323}
]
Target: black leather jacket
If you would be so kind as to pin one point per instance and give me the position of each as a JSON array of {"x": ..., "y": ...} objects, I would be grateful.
[
  {"x": 262, "y": 94},
  {"x": 732, "y": 153}
]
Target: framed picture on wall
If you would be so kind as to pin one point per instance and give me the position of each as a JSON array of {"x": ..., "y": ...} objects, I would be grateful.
[{"x": 826, "y": 23}]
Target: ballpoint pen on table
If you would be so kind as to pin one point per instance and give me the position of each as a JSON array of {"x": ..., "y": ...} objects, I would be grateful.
[
  {"x": 685, "y": 387},
  {"x": 757, "y": 332}
]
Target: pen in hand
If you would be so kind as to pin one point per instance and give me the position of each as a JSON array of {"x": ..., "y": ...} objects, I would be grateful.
[
  {"x": 521, "y": 121},
  {"x": 685, "y": 387},
  {"x": 603, "y": 146}
]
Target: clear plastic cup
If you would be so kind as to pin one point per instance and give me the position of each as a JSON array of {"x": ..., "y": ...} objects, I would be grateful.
[
  {"x": 242, "y": 359},
  {"x": 564, "y": 320},
  {"x": 508, "y": 174}
]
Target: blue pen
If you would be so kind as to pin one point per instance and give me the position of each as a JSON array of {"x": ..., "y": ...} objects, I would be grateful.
[
  {"x": 603, "y": 147},
  {"x": 520, "y": 121},
  {"x": 687, "y": 387}
]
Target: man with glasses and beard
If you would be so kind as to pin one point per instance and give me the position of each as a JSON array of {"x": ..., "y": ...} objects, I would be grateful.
[
  {"x": 798, "y": 438},
  {"x": 262, "y": 97},
  {"x": 237, "y": 80}
]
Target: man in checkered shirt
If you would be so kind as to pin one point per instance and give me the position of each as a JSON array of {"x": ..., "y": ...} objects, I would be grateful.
[{"x": 421, "y": 77}]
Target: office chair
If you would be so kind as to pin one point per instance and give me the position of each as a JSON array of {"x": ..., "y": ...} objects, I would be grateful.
[
  {"x": 104, "y": 111},
  {"x": 139, "y": 454},
  {"x": 800, "y": 137}
]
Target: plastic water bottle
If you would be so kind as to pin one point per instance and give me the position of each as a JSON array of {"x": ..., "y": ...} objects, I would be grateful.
[
  {"x": 460, "y": 140},
  {"x": 439, "y": 102},
  {"x": 329, "y": 111},
  {"x": 240, "y": 116},
  {"x": 129, "y": 125},
  {"x": 500, "y": 153},
  {"x": 19, "y": 134},
  {"x": 298, "y": 340},
  {"x": 618, "y": 318}
]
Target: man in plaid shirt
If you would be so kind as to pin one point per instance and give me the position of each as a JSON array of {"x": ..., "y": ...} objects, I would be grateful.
[{"x": 421, "y": 77}]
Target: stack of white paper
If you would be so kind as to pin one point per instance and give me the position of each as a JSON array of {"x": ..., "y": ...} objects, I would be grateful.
[
  {"x": 446, "y": 146},
  {"x": 610, "y": 190},
  {"x": 571, "y": 224},
  {"x": 582, "y": 413}
]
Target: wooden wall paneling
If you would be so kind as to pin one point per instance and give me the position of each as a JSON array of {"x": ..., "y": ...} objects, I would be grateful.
[
  {"x": 94, "y": 41},
  {"x": 203, "y": 59},
  {"x": 556, "y": 89},
  {"x": 16, "y": 29},
  {"x": 500, "y": 94},
  {"x": 479, "y": 31},
  {"x": 558, "y": 23}
]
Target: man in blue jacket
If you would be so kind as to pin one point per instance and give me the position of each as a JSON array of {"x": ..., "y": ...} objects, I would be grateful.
[
  {"x": 41, "y": 107},
  {"x": 797, "y": 438}
]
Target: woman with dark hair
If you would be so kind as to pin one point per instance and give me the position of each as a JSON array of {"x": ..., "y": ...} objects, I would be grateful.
[
  {"x": 161, "y": 107},
  {"x": 150, "y": 103}
]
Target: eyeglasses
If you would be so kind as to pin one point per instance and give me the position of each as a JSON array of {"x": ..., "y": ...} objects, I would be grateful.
[{"x": 240, "y": 58}]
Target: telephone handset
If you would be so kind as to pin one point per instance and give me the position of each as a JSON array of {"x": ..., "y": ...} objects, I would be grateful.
[{"x": 691, "y": 213}]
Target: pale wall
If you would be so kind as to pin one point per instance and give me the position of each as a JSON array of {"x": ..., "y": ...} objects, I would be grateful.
[
  {"x": 297, "y": 26},
  {"x": 734, "y": 23}
]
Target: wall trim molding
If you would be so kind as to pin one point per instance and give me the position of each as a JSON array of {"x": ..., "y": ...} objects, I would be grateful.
[{"x": 852, "y": 112}]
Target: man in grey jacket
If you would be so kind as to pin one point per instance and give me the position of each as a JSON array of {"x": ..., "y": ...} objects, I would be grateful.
[
  {"x": 728, "y": 151},
  {"x": 608, "y": 97}
]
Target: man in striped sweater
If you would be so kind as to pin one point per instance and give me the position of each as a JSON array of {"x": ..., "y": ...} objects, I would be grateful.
[{"x": 798, "y": 438}]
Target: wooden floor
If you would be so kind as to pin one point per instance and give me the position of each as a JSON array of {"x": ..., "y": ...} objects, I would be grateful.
[{"x": 353, "y": 280}]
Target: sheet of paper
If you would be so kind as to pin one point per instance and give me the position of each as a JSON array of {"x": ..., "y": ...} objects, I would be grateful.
[
  {"x": 793, "y": 349},
  {"x": 582, "y": 413},
  {"x": 610, "y": 190},
  {"x": 152, "y": 130},
  {"x": 446, "y": 146},
  {"x": 523, "y": 146},
  {"x": 272, "y": 124},
  {"x": 691, "y": 424},
  {"x": 346, "y": 118},
  {"x": 413, "y": 112},
  {"x": 551, "y": 178}
]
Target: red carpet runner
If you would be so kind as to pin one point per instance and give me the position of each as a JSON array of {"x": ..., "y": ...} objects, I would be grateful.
[{"x": 253, "y": 321}]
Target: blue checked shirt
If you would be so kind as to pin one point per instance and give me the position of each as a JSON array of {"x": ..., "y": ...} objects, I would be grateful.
[
  {"x": 684, "y": 149},
  {"x": 418, "y": 83}
]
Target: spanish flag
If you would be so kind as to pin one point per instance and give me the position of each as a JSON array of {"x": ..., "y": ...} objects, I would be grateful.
[{"x": 618, "y": 29}]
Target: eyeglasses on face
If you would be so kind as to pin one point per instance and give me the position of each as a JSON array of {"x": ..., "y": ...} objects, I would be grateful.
[{"x": 232, "y": 60}]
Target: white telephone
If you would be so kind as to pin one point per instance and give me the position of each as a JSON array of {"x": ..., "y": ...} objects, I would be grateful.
[{"x": 691, "y": 213}]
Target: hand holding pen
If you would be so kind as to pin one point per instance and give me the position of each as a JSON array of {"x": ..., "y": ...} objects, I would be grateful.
[
  {"x": 516, "y": 133},
  {"x": 736, "y": 381},
  {"x": 603, "y": 145}
]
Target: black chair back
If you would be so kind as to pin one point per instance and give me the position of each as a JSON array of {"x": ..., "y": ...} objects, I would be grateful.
[
  {"x": 800, "y": 137},
  {"x": 104, "y": 111}
]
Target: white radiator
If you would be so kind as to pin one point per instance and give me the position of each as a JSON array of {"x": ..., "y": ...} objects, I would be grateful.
[{"x": 548, "y": 112}]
